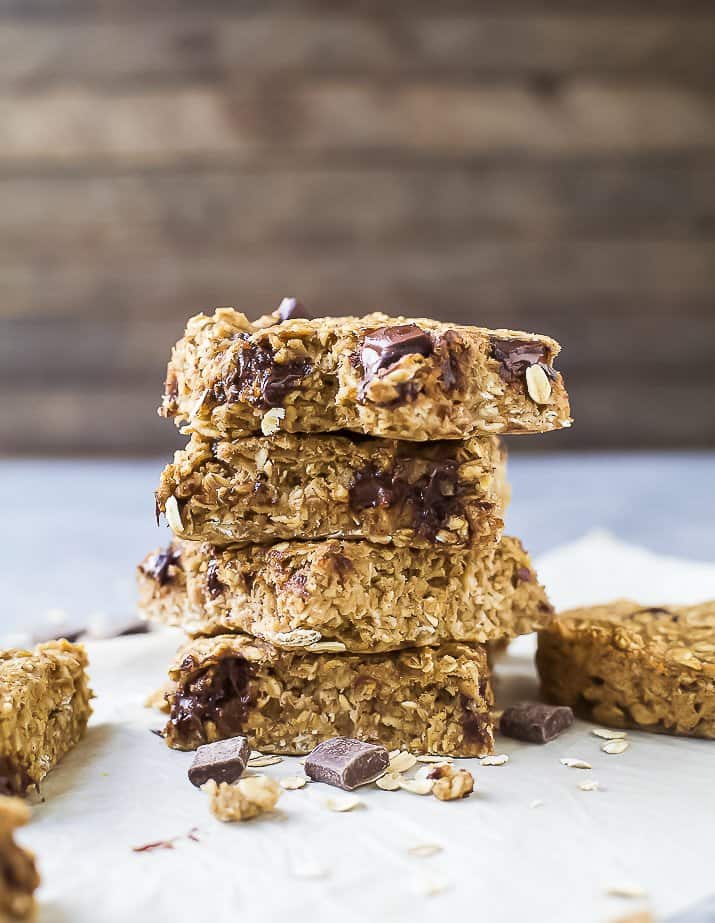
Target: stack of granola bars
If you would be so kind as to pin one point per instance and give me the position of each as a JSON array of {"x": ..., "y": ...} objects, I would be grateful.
[{"x": 338, "y": 561}]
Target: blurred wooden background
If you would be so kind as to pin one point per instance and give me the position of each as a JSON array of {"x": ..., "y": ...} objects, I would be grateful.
[{"x": 546, "y": 165}]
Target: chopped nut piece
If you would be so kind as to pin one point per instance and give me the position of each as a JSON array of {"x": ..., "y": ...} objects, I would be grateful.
[
  {"x": 271, "y": 421},
  {"x": 451, "y": 783},
  {"x": 538, "y": 385},
  {"x": 425, "y": 850},
  {"x": 401, "y": 762},
  {"x": 258, "y": 762},
  {"x": 608, "y": 734},
  {"x": 292, "y": 783},
  {"x": 417, "y": 786},
  {"x": 343, "y": 804},
  {"x": 429, "y": 758},
  {"x": 173, "y": 516},
  {"x": 390, "y": 782},
  {"x": 499, "y": 759},
  {"x": 615, "y": 746},
  {"x": 245, "y": 799}
]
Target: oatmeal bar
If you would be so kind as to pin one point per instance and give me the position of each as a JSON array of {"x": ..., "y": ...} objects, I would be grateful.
[
  {"x": 427, "y": 700},
  {"x": 44, "y": 708},
  {"x": 378, "y": 375},
  {"x": 365, "y": 597},
  {"x": 267, "y": 488},
  {"x": 651, "y": 668},
  {"x": 18, "y": 874}
]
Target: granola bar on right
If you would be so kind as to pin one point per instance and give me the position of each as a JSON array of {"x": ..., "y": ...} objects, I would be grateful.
[
  {"x": 429, "y": 700},
  {"x": 378, "y": 375},
  {"x": 44, "y": 708},
  {"x": 362, "y": 597},
  {"x": 268, "y": 488},
  {"x": 630, "y": 666},
  {"x": 18, "y": 873}
]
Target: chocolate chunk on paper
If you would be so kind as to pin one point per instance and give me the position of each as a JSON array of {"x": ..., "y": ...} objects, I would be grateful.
[
  {"x": 291, "y": 308},
  {"x": 346, "y": 763},
  {"x": 535, "y": 722},
  {"x": 222, "y": 761}
]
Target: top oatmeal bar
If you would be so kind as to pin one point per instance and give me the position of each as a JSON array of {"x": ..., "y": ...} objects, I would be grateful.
[{"x": 377, "y": 375}]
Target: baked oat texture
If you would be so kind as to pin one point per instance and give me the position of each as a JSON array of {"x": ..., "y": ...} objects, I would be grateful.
[
  {"x": 378, "y": 375},
  {"x": 364, "y": 597},
  {"x": 426, "y": 700},
  {"x": 267, "y": 489},
  {"x": 44, "y": 709},
  {"x": 18, "y": 873},
  {"x": 630, "y": 666}
]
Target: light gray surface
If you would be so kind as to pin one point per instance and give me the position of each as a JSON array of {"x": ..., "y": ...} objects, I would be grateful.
[{"x": 74, "y": 530}]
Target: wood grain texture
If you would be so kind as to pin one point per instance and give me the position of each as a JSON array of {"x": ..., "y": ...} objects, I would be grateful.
[{"x": 547, "y": 166}]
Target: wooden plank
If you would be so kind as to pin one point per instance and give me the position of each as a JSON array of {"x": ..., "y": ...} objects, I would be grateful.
[
  {"x": 96, "y": 217},
  {"x": 216, "y": 47},
  {"x": 112, "y": 420},
  {"x": 322, "y": 119},
  {"x": 470, "y": 277}
]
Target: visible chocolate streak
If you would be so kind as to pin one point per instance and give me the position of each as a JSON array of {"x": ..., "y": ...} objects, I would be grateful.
[
  {"x": 516, "y": 356},
  {"x": 162, "y": 562},
  {"x": 474, "y": 724},
  {"x": 291, "y": 308},
  {"x": 259, "y": 379},
  {"x": 219, "y": 693},
  {"x": 430, "y": 500},
  {"x": 214, "y": 586}
]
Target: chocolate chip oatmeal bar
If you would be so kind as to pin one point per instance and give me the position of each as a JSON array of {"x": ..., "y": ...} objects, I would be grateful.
[
  {"x": 18, "y": 874},
  {"x": 430, "y": 700},
  {"x": 361, "y": 596},
  {"x": 651, "y": 668},
  {"x": 44, "y": 708},
  {"x": 268, "y": 488},
  {"x": 378, "y": 375}
]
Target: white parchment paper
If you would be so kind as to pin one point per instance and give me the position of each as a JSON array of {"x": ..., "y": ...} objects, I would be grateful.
[{"x": 528, "y": 846}]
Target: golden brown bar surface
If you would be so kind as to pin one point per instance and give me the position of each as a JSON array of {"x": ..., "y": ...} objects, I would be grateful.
[
  {"x": 271, "y": 488},
  {"x": 382, "y": 376},
  {"x": 361, "y": 596},
  {"x": 634, "y": 666},
  {"x": 427, "y": 700},
  {"x": 18, "y": 874},
  {"x": 44, "y": 709}
]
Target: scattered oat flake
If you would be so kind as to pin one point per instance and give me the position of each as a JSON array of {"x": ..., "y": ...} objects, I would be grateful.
[
  {"x": 499, "y": 759},
  {"x": 626, "y": 890},
  {"x": 536, "y": 803},
  {"x": 432, "y": 885},
  {"x": 401, "y": 762},
  {"x": 615, "y": 746},
  {"x": 429, "y": 758},
  {"x": 417, "y": 786},
  {"x": 390, "y": 782},
  {"x": 590, "y": 785},
  {"x": 291, "y": 783},
  {"x": 575, "y": 763},
  {"x": 343, "y": 804},
  {"x": 260, "y": 761},
  {"x": 608, "y": 734},
  {"x": 424, "y": 850}
]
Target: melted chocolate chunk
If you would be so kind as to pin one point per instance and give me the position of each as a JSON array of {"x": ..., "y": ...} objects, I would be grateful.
[
  {"x": 475, "y": 724},
  {"x": 346, "y": 762},
  {"x": 222, "y": 761},
  {"x": 431, "y": 500},
  {"x": 535, "y": 722},
  {"x": 516, "y": 356},
  {"x": 162, "y": 562},
  {"x": 219, "y": 693},
  {"x": 259, "y": 379},
  {"x": 291, "y": 308},
  {"x": 214, "y": 587},
  {"x": 385, "y": 346}
]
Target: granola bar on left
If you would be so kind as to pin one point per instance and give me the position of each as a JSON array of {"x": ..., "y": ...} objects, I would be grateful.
[
  {"x": 44, "y": 709},
  {"x": 428, "y": 700}
]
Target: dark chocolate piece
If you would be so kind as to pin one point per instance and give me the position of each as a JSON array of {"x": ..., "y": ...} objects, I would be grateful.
[
  {"x": 346, "y": 763},
  {"x": 291, "y": 308},
  {"x": 162, "y": 562},
  {"x": 259, "y": 379},
  {"x": 219, "y": 693},
  {"x": 431, "y": 499},
  {"x": 214, "y": 587},
  {"x": 222, "y": 761},
  {"x": 535, "y": 722},
  {"x": 385, "y": 346},
  {"x": 516, "y": 356}
]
